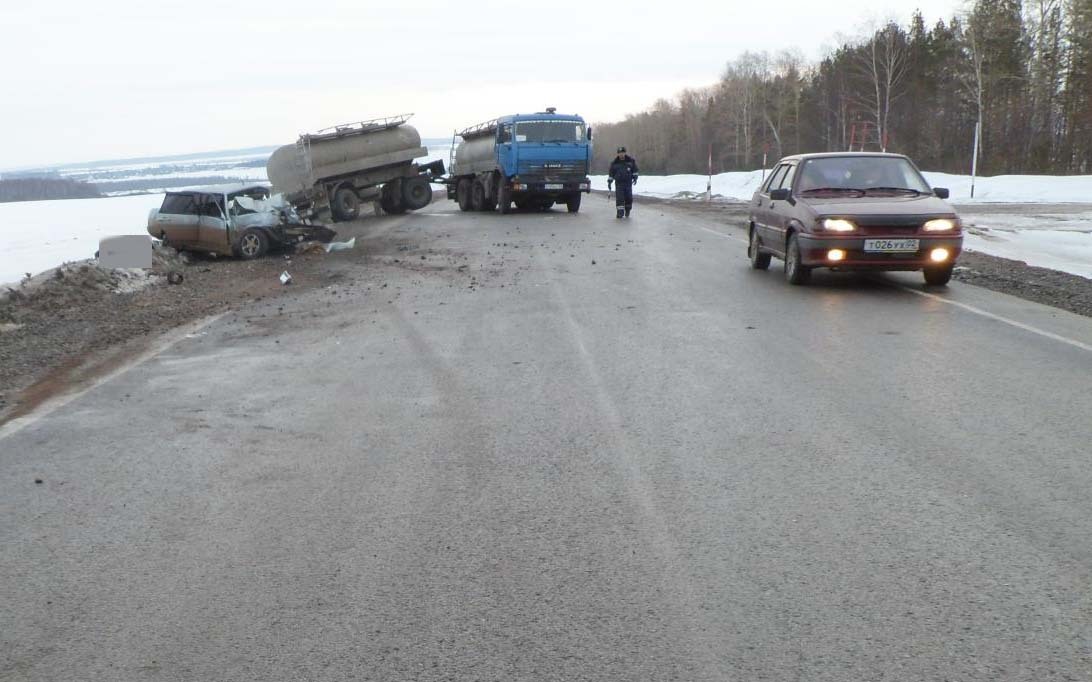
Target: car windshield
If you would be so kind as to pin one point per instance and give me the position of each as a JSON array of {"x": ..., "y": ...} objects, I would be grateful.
[
  {"x": 549, "y": 131},
  {"x": 861, "y": 174}
]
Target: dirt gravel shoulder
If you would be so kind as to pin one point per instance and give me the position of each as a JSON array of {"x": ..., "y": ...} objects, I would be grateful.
[
  {"x": 1015, "y": 278},
  {"x": 74, "y": 329},
  {"x": 76, "y": 326}
]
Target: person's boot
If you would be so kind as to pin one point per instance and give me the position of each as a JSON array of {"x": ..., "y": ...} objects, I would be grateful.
[
  {"x": 628, "y": 209},
  {"x": 621, "y": 212}
]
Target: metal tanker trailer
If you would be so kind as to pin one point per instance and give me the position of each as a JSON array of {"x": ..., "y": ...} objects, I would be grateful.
[{"x": 329, "y": 173}]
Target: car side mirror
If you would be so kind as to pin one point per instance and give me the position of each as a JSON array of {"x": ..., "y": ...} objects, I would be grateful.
[
  {"x": 779, "y": 194},
  {"x": 941, "y": 192}
]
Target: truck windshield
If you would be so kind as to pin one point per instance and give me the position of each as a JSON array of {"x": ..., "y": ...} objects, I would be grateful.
[
  {"x": 862, "y": 173},
  {"x": 549, "y": 131}
]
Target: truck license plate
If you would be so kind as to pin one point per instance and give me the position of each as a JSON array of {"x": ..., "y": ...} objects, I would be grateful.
[
  {"x": 555, "y": 186},
  {"x": 890, "y": 245}
]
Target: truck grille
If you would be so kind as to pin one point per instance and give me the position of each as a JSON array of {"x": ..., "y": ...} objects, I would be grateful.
[{"x": 552, "y": 168}]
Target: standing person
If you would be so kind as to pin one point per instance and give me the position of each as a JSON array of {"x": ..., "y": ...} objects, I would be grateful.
[{"x": 623, "y": 170}]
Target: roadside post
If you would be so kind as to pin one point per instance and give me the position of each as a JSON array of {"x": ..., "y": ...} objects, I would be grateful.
[{"x": 709, "y": 182}]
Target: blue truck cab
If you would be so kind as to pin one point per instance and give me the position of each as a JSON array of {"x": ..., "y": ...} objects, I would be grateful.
[{"x": 530, "y": 160}]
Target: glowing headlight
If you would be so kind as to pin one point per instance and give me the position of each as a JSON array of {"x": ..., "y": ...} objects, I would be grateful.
[
  {"x": 938, "y": 255},
  {"x": 838, "y": 225},
  {"x": 940, "y": 225}
]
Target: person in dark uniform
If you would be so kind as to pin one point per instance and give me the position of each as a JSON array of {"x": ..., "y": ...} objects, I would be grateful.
[{"x": 623, "y": 170}]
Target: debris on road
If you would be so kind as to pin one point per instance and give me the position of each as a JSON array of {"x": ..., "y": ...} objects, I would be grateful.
[
  {"x": 309, "y": 247},
  {"x": 286, "y": 278},
  {"x": 341, "y": 246},
  {"x": 174, "y": 277}
]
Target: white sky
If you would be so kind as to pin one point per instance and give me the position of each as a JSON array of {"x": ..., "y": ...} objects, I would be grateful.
[{"x": 82, "y": 80}]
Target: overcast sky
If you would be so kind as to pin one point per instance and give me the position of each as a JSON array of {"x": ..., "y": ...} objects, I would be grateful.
[{"x": 116, "y": 78}]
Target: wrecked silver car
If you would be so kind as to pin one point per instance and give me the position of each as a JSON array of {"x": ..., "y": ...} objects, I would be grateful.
[{"x": 236, "y": 220}]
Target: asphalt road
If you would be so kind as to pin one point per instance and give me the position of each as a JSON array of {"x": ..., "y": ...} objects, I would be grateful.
[{"x": 566, "y": 448}]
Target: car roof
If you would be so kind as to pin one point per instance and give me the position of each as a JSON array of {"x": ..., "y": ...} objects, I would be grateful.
[
  {"x": 231, "y": 188},
  {"x": 834, "y": 155}
]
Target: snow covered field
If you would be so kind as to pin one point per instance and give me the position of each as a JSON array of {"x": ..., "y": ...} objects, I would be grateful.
[{"x": 39, "y": 235}]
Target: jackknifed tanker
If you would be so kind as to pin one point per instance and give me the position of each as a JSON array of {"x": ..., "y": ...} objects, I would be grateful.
[{"x": 329, "y": 173}]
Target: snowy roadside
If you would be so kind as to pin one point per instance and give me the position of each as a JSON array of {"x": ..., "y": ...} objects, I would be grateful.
[
  {"x": 36, "y": 236},
  {"x": 1045, "y": 221}
]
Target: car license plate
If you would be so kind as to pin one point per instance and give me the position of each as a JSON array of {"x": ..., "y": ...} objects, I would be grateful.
[
  {"x": 554, "y": 186},
  {"x": 890, "y": 245}
]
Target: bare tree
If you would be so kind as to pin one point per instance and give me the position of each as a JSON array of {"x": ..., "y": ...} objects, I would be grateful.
[{"x": 883, "y": 62}]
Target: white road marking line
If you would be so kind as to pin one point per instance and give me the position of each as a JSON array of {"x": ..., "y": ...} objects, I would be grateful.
[
  {"x": 998, "y": 318},
  {"x": 53, "y": 404},
  {"x": 969, "y": 308},
  {"x": 721, "y": 234}
]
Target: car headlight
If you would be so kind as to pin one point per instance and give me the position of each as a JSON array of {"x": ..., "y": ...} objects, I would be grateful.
[
  {"x": 838, "y": 225},
  {"x": 940, "y": 225}
]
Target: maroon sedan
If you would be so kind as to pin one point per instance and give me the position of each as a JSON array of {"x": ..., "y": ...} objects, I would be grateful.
[{"x": 853, "y": 211}]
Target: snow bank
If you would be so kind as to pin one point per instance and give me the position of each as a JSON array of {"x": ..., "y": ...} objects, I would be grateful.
[
  {"x": 38, "y": 235},
  {"x": 1063, "y": 250},
  {"x": 737, "y": 186},
  {"x": 1036, "y": 189},
  {"x": 1002, "y": 188}
]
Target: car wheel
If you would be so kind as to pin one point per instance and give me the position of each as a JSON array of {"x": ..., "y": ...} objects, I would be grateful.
[
  {"x": 253, "y": 244},
  {"x": 938, "y": 277},
  {"x": 795, "y": 271},
  {"x": 573, "y": 202},
  {"x": 759, "y": 260}
]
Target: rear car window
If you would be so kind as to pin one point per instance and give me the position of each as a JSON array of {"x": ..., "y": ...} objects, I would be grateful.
[{"x": 179, "y": 204}]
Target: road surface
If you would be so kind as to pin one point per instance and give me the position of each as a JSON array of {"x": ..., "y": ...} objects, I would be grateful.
[{"x": 558, "y": 447}]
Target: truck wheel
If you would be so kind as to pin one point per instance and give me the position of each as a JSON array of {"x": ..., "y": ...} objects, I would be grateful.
[
  {"x": 574, "y": 202},
  {"x": 462, "y": 194},
  {"x": 390, "y": 200},
  {"x": 489, "y": 201},
  {"x": 346, "y": 204},
  {"x": 252, "y": 244},
  {"x": 522, "y": 204},
  {"x": 416, "y": 193},
  {"x": 504, "y": 198},
  {"x": 477, "y": 197}
]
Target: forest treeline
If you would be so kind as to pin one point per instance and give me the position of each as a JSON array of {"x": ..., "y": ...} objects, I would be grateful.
[
  {"x": 1023, "y": 69},
  {"x": 39, "y": 188}
]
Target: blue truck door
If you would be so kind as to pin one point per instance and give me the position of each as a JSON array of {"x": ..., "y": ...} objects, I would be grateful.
[{"x": 506, "y": 153}]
